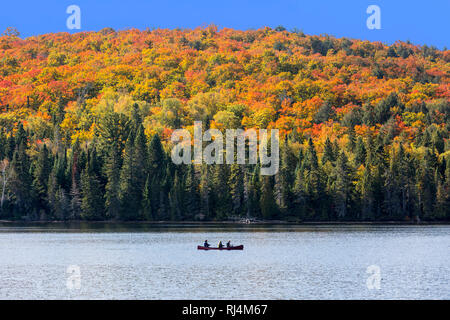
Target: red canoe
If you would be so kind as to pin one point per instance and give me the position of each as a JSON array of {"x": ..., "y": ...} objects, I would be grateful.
[{"x": 241, "y": 247}]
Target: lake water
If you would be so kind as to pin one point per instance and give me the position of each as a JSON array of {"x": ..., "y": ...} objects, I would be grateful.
[{"x": 278, "y": 262}]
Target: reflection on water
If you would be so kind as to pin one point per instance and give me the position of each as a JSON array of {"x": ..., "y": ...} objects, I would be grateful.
[{"x": 143, "y": 261}]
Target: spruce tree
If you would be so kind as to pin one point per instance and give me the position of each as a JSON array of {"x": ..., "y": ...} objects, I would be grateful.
[
  {"x": 3, "y": 144},
  {"x": 21, "y": 184},
  {"x": 425, "y": 186},
  {"x": 147, "y": 212},
  {"x": 41, "y": 172},
  {"x": 366, "y": 194},
  {"x": 342, "y": 186},
  {"x": 191, "y": 194},
  {"x": 92, "y": 202},
  {"x": 113, "y": 166},
  {"x": 156, "y": 170},
  {"x": 156, "y": 158},
  {"x": 269, "y": 209},
  {"x": 254, "y": 193},
  {"x": 286, "y": 179},
  {"x": 206, "y": 189},
  {"x": 236, "y": 187},
  {"x": 221, "y": 192},
  {"x": 328, "y": 152},
  {"x": 299, "y": 194},
  {"x": 129, "y": 192},
  {"x": 313, "y": 183},
  {"x": 360, "y": 152},
  {"x": 176, "y": 199}
]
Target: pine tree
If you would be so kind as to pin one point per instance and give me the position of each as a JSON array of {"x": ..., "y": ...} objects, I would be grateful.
[
  {"x": 191, "y": 194},
  {"x": 342, "y": 186},
  {"x": 442, "y": 206},
  {"x": 58, "y": 201},
  {"x": 206, "y": 189},
  {"x": 392, "y": 191},
  {"x": 163, "y": 209},
  {"x": 62, "y": 209},
  {"x": 140, "y": 157},
  {"x": 437, "y": 141},
  {"x": 286, "y": 179},
  {"x": 156, "y": 158},
  {"x": 351, "y": 140},
  {"x": 92, "y": 203},
  {"x": 129, "y": 191},
  {"x": 425, "y": 186},
  {"x": 254, "y": 193},
  {"x": 406, "y": 181},
  {"x": 75, "y": 202},
  {"x": 221, "y": 192},
  {"x": 176, "y": 199},
  {"x": 147, "y": 212},
  {"x": 328, "y": 152},
  {"x": 21, "y": 183},
  {"x": 299, "y": 194},
  {"x": 360, "y": 152},
  {"x": 3, "y": 144},
  {"x": 366, "y": 193},
  {"x": 52, "y": 189},
  {"x": 236, "y": 187},
  {"x": 269, "y": 209},
  {"x": 10, "y": 147},
  {"x": 447, "y": 189},
  {"x": 156, "y": 169},
  {"x": 312, "y": 183},
  {"x": 21, "y": 137},
  {"x": 41, "y": 173},
  {"x": 59, "y": 170},
  {"x": 112, "y": 200}
]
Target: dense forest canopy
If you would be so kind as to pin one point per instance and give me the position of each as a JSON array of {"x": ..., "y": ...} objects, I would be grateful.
[{"x": 86, "y": 120}]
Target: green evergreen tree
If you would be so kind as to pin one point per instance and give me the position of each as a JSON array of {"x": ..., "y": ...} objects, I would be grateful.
[
  {"x": 147, "y": 200},
  {"x": 286, "y": 177},
  {"x": 342, "y": 186},
  {"x": 328, "y": 152},
  {"x": 129, "y": 191},
  {"x": 176, "y": 199},
  {"x": 360, "y": 152},
  {"x": 3, "y": 144},
  {"x": 191, "y": 194},
  {"x": 269, "y": 208},
  {"x": 113, "y": 166},
  {"x": 221, "y": 193},
  {"x": 41, "y": 171},
  {"x": 366, "y": 191},
  {"x": 236, "y": 187},
  {"x": 254, "y": 193},
  {"x": 206, "y": 189},
  {"x": 313, "y": 184},
  {"x": 21, "y": 184},
  {"x": 351, "y": 140},
  {"x": 156, "y": 158},
  {"x": 92, "y": 203},
  {"x": 425, "y": 186}
]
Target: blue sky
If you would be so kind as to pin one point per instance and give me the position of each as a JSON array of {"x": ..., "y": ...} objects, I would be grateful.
[{"x": 421, "y": 22}]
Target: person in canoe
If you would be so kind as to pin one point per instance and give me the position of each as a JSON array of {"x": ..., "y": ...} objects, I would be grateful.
[
  {"x": 229, "y": 244},
  {"x": 220, "y": 245},
  {"x": 206, "y": 244}
]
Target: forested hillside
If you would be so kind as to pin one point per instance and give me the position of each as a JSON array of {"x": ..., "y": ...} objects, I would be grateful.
[{"x": 86, "y": 121}]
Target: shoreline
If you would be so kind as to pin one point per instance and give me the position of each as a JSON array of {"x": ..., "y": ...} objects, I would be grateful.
[{"x": 228, "y": 223}]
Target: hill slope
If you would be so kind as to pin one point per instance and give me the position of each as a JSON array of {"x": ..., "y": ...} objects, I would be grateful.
[{"x": 366, "y": 125}]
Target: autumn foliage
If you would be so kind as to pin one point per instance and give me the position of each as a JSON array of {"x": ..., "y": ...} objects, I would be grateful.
[{"x": 60, "y": 87}]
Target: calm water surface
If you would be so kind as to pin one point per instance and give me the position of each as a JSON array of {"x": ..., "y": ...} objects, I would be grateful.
[{"x": 278, "y": 262}]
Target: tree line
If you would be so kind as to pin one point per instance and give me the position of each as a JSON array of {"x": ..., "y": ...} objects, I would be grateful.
[{"x": 122, "y": 174}]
